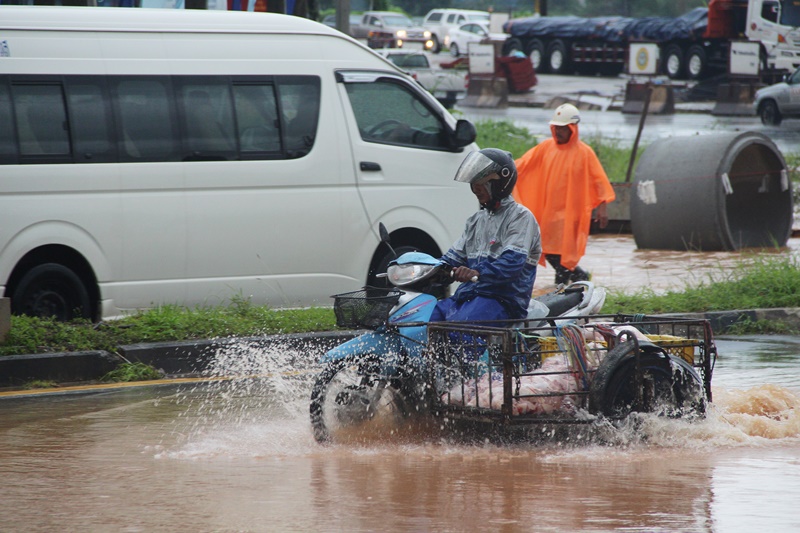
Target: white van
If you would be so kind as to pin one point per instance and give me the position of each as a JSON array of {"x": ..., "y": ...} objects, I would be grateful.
[{"x": 153, "y": 157}]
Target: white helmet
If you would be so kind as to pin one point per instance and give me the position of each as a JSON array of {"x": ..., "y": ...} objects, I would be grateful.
[{"x": 565, "y": 114}]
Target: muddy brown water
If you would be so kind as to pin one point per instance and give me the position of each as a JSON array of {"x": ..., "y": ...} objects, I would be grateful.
[{"x": 238, "y": 455}]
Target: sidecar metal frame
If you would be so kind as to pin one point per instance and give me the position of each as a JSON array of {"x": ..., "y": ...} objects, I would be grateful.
[{"x": 475, "y": 372}]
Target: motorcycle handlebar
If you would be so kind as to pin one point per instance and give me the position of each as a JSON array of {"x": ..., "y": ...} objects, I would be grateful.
[{"x": 452, "y": 275}]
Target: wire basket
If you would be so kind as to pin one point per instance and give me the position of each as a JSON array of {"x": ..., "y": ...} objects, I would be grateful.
[{"x": 366, "y": 308}]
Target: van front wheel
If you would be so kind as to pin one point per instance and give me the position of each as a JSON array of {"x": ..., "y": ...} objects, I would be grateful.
[{"x": 51, "y": 290}]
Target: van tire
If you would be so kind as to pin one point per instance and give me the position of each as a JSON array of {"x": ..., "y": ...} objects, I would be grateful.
[{"x": 51, "y": 290}]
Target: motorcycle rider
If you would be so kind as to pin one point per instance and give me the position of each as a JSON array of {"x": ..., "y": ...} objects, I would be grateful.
[{"x": 496, "y": 256}]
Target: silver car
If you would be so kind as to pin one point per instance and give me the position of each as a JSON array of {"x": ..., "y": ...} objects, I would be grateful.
[{"x": 779, "y": 101}]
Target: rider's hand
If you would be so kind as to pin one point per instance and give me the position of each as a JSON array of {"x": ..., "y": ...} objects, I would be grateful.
[{"x": 463, "y": 274}]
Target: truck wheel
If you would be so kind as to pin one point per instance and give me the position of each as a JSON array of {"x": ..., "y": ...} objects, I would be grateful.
[
  {"x": 437, "y": 46},
  {"x": 557, "y": 57},
  {"x": 769, "y": 113},
  {"x": 512, "y": 45},
  {"x": 51, "y": 290},
  {"x": 673, "y": 62},
  {"x": 696, "y": 62},
  {"x": 535, "y": 53}
]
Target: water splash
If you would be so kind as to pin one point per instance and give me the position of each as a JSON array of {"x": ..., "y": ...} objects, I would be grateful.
[{"x": 254, "y": 403}]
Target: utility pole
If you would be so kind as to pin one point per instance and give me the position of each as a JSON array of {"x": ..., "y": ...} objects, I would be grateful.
[{"x": 343, "y": 16}]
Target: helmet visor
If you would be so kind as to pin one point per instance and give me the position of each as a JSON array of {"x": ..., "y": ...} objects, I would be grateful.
[{"x": 477, "y": 169}]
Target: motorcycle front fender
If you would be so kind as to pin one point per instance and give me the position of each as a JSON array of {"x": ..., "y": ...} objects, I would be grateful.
[{"x": 374, "y": 342}]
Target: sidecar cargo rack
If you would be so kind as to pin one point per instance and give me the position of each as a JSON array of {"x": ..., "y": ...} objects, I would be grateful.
[{"x": 516, "y": 373}]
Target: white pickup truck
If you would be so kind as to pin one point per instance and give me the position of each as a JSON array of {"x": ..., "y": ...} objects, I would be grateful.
[{"x": 447, "y": 85}]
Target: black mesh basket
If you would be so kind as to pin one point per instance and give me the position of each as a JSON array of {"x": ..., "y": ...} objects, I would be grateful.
[{"x": 366, "y": 308}]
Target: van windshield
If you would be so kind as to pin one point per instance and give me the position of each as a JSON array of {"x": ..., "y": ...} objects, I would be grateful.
[{"x": 388, "y": 113}]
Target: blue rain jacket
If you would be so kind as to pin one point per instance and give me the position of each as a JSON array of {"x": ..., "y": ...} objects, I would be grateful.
[{"x": 504, "y": 246}]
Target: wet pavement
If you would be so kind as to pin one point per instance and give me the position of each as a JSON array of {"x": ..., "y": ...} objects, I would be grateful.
[
  {"x": 603, "y": 98},
  {"x": 616, "y": 263}
]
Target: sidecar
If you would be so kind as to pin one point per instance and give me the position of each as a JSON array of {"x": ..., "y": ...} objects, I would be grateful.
[{"x": 601, "y": 367}]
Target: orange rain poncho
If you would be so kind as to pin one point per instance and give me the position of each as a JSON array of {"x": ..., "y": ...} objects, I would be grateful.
[{"x": 561, "y": 184}]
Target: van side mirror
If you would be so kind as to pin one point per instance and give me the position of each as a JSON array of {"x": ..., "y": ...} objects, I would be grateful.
[{"x": 465, "y": 133}]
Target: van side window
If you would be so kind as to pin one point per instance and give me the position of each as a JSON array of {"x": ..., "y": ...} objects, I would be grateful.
[
  {"x": 110, "y": 119},
  {"x": 41, "y": 119},
  {"x": 8, "y": 141},
  {"x": 89, "y": 117},
  {"x": 257, "y": 118},
  {"x": 388, "y": 112},
  {"x": 207, "y": 117},
  {"x": 300, "y": 97},
  {"x": 146, "y": 125}
]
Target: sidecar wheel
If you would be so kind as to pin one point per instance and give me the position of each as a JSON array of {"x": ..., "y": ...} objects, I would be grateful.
[
  {"x": 672, "y": 387},
  {"x": 350, "y": 393}
]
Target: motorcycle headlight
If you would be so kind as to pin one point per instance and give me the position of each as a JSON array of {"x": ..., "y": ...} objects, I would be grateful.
[{"x": 403, "y": 275}]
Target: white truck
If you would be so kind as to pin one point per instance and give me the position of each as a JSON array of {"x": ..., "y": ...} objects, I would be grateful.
[
  {"x": 447, "y": 85},
  {"x": 439, "y": 22}
]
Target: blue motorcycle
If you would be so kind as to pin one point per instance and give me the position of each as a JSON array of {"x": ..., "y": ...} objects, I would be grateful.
[{"x": 384, "y": 370}]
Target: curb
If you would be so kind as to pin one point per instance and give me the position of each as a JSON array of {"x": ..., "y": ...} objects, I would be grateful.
[
  {"x": 185, "y": 358},
  {"x": 191, "y": 358}
]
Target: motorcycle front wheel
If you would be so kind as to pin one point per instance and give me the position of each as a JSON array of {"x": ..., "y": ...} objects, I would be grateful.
[{"x": 352, "y": 397}]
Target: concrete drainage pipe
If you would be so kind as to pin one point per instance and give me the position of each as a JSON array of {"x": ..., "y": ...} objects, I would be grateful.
[{"x": 711, "y": 192}]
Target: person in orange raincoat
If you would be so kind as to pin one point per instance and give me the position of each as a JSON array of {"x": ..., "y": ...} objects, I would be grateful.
[{"x": 561, "y": 181}]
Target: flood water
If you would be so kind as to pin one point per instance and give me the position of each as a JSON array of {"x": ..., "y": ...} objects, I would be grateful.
[{"x": 239, "y": 456}]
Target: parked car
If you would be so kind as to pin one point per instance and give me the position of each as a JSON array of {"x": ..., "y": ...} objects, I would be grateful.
[
  {"x": 387, "y": 29},
  {"x": 441, "y": 21},
  {"x": 471, "y": 32},
  {"x": 779, "y": 101},
  {"x": 446, "y": 85}
]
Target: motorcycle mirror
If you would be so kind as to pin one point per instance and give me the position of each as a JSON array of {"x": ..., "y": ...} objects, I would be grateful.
[{"x": 384, "y": 233}]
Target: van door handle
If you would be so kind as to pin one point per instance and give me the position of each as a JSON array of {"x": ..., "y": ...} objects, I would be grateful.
[{"x": 369, "y": 166}]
